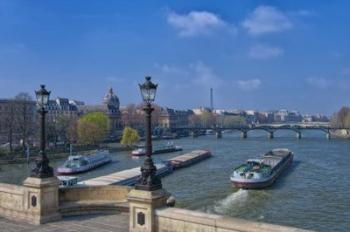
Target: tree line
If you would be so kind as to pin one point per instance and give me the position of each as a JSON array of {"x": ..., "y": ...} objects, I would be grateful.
[{"x": 341, "y": 119}]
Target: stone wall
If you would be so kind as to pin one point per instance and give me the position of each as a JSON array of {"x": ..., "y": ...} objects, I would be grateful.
[
  {"x": 78, "y": 200},
  {"x": 35, "y": 202},
  {"x": 94, "y": 193},
  {"x": 181, "y": 220},
  {"x": 13, "y": 199}
]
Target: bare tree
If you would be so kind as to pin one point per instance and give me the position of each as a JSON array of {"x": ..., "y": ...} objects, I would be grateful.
[{"x": 24, "y": 117}]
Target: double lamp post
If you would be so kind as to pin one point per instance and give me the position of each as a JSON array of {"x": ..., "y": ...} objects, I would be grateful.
[{"x": 148, "y": 180}]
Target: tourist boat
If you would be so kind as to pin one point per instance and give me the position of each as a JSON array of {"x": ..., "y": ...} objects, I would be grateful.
[
  {"x": 82, "y": 163},
  {"x": 170, "y": 147},
  {"x": 263, "y": 171}
]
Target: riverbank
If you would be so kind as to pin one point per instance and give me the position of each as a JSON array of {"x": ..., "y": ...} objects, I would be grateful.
[
  {"x": 341, "y": 134},
  {"x": 61, "y": 153}
]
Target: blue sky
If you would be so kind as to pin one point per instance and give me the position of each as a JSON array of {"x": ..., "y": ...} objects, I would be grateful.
[{"x": 255, "y": 54}]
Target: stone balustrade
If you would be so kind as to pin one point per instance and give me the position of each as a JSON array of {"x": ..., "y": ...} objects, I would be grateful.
[
  {"x": 94, "y": 193},
  {"x": 79, "y": 200},
  {"x": 181, "y": 220},
  {"x": 35, "y": 202}
]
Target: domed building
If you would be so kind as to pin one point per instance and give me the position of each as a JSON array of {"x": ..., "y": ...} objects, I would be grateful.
[{"x": 111, "y": 106}]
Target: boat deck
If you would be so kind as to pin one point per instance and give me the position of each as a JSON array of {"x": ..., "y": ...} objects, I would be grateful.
[{"x": 129, "y": 176}]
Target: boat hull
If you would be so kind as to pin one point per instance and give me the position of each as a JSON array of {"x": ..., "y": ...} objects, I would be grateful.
[
  {"x": 265, "y": 183},
  {"x": 157, "y": 152}
]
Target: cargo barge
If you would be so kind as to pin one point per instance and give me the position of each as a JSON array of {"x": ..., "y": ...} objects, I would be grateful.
[
  {"x": 263, "y": 171},
  {"x": 189, "y": 158},
  {"x": 130, "y": 176},
  {"x": 127, "y": 177}
]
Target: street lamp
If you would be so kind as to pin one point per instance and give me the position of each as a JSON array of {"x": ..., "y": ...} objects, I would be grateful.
[
  {"x": 42, "y": 169},
  {"x": 148, "y": 180}
]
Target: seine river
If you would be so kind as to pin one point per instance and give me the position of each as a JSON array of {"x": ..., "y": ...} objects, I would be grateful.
[{"x": 314, "y": 193}]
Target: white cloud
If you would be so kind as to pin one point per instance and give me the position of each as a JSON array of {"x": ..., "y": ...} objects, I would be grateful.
[
  {"x": 195, "y": 23},
  {"x": 266, "y": 19},
  {"x": 320, "y": 83},
  {"x": 264, "y": 52},
  {"x": 196, "y": 75},
  {"x": 249, "y": 85}
]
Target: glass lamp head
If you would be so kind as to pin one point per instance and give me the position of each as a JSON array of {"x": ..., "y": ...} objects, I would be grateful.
[
  {"x": 148, "y": 90},
  {"x": 42, "y": 96}
]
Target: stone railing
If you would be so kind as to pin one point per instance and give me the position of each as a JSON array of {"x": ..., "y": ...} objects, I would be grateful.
[
  {"x": 176, "y": 220},
  {"x": 35, "y": 202},
  {"x": 79, "y": 200},
  {"x": 13, "y": 200}
]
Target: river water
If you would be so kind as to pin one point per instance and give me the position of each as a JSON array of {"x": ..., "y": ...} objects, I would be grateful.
[{"x": 314, "y": 193}]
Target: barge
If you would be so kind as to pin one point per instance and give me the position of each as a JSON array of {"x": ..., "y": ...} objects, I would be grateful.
[
  {"x": 189, "y": 158},
  {"x": 128, "y": 177},
  {"x": 79, "y": 163},
  {"x": 263, "y": 171}
]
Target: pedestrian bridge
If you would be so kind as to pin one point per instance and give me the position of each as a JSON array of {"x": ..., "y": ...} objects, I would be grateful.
[{"x": 269, "y": 128}]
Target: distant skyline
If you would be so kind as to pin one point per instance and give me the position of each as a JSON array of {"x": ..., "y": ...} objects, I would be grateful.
[{"x": 259, "y": 55}]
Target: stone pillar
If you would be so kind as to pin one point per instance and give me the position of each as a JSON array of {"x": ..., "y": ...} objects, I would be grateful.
[
  {"x": 244, "y": 134},
  {"x": 298, "y": 134},
  {"x": 219, "y": 134},
  {"x": 270, "y": 135},
  {"x": 42, "y": 199},
  {"x": 142, "y": 205}
]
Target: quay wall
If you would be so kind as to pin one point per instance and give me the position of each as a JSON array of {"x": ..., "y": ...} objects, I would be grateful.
[{"x": 181, "y": 220}]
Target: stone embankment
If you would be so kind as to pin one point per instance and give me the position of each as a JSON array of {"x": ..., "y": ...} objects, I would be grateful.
[{"x": 343, "y": 134}]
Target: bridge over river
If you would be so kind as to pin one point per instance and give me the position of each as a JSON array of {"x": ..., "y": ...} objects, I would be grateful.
[{"x": 298, "y": 128}]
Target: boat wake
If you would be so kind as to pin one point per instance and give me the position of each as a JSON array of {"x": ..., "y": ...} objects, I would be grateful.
[{"x": 235, "y": 199}]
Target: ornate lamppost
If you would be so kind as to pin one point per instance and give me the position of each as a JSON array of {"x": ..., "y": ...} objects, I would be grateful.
[
  {"x": 148, "y": 180},
  {"x": 42, "y": 169}
]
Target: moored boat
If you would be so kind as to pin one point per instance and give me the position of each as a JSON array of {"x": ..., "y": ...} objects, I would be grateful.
[
  {"x": 169, "y": 147},
  {"x": 79, "y": 163},
  {"x": 128, "y": 177},
  {"x": 66, "y": 181},
  {"x": 263, "y": 171}
]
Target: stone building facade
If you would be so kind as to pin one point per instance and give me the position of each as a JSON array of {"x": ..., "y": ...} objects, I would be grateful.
[
  {"x": 170, "y": 118},
  {"x": 62, "y": 107}
]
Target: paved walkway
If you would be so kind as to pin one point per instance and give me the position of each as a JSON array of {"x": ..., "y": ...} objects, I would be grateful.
[{"x": 88, "y": 223}]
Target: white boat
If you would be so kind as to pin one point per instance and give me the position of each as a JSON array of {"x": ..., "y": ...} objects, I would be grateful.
[
  {"x": 79, "y": 163},
  {"x": 169, "y": 147}
]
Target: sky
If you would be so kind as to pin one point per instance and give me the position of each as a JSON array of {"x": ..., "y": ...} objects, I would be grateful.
[{"x": 260, "y": 55}]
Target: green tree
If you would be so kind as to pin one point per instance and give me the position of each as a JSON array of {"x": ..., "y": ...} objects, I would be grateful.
[
  {"x": 92, "y": 128},
  {"x": 130, "y": 136}
]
